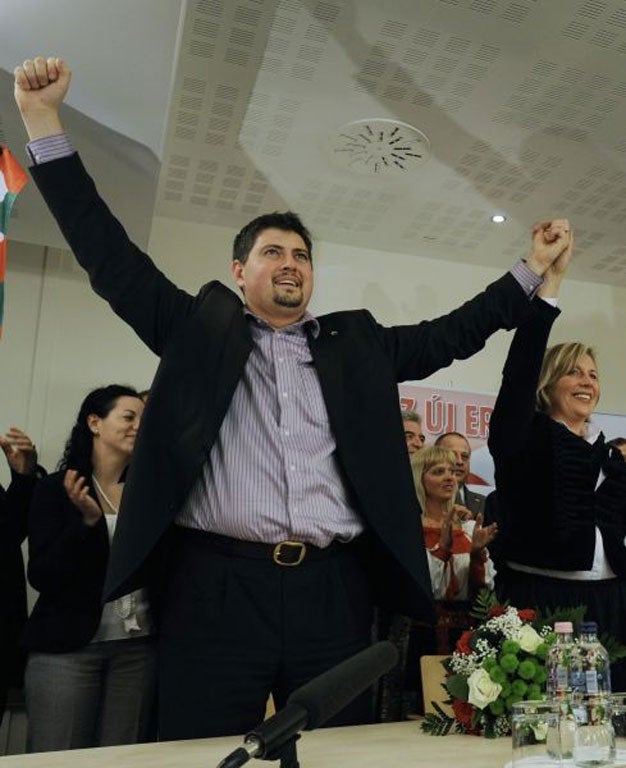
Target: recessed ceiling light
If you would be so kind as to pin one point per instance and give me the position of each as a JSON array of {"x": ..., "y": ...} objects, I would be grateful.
[{"x": 498, "y": 218}]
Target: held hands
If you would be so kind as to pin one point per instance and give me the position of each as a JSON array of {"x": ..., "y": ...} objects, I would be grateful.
[
  {"x": 40, "y": 87},
  {"x": 482, "y": 536},
  {"x": 551, "y": 241},
  {"x": 20, "y": 451},
  {"x": 78, "y": 492}
]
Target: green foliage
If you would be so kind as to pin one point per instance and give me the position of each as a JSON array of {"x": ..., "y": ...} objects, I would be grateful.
[
  {"x": 457, "y": 687},
  {"x": 527, "y": 669},
  {"x": 498, "y": 675},
  {"x": 510, "y": 646},
  {"x": 614, "y": 648},
  {"x": 485, "y": 600},
  {"x": 509, "y": 662},
  {"x": 437, "y": 723},
  {"x": 574, "y": 614},
  {"x": 519, "y": 688}
]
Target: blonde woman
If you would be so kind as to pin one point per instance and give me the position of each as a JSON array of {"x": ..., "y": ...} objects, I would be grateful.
[
  {"x": 456, "y": 545},
  {"x": 561, "y": 491},
  {"x": 459, "y": 564}
]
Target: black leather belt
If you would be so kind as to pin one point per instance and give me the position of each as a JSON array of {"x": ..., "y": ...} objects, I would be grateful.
[{"x": 285, "y": 553}]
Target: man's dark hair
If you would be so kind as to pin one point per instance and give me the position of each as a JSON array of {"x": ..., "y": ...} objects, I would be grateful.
[
  {"x": 451, "y": 434},
  {"x": 288, "y": 222}
]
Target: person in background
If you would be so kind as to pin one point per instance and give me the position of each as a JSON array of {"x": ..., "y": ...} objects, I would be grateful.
[
  {"x": 619, "y": 443},
  {"x": 460, "y": 447},
  {"x": 270, "y": 466},
  {"x": 459, "y": 566},
  {"x": 560, "y": 490},
  {"x": 458, "y": 558},
  {"x": 21, "y": 457},
  {"x": 89, "y": 678},
  {"x": 413, "y": 431}
]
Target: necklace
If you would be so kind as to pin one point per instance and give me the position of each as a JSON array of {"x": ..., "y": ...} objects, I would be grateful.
[{"x": 103, "y": 494}]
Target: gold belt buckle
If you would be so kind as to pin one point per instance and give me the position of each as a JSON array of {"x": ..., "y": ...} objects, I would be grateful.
[{"x": 277, "y": 556}]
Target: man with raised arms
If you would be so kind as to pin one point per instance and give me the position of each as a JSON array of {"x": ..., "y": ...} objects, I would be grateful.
[{"x": 270, "y": 503}]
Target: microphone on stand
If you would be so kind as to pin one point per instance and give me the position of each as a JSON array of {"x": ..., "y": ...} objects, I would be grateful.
[{"x": 315, "y": 702}]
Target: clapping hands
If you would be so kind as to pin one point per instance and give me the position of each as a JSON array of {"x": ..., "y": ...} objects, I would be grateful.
[{"x": 20, "y": 451}]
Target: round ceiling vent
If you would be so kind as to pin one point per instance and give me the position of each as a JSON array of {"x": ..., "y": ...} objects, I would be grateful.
[{"x": 379, "y": 147}]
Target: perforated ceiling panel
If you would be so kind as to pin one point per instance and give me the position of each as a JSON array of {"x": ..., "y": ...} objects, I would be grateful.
[{"x": 523, "y": 103}]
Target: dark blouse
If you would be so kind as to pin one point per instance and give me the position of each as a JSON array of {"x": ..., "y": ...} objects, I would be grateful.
[
  {"x": 546, "y": 475},
  {"x": 67, "y": 565}
]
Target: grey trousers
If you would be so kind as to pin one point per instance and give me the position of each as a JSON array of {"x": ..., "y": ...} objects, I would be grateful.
[{"x": 99, "y": 696}]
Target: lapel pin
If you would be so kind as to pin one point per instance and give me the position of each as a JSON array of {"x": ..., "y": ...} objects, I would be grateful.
[{"x": 334, "y": 333}]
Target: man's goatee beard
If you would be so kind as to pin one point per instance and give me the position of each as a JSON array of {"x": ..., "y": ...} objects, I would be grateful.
[{"x": 287, "y": 301}]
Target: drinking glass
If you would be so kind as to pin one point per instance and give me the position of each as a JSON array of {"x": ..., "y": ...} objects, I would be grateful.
[
  {"x": 594, "y": 740},
  {"x": 536, "y": 736},
  {"x": 618, "y": 719}
]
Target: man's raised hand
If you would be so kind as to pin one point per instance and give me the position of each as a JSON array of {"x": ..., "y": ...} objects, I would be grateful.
[
  {"x": 40, "y": 87},
  {"x": 550, "y": 239}
]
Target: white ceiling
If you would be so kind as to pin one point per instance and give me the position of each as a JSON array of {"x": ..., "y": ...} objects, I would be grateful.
[{"x": 217, "y": 110}]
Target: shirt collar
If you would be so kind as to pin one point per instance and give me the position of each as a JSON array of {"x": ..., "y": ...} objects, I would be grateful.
[
  {"x": 591, "y": 433},
  {"x": 306, "y": 322}
]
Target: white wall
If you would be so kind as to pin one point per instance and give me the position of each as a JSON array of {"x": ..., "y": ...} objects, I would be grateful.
[{"x": 61, "y": 340}]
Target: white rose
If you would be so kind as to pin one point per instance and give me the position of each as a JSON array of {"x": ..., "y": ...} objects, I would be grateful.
[
  {"x": 528, "y": 639},
  {"x": 482, "y": 689}
]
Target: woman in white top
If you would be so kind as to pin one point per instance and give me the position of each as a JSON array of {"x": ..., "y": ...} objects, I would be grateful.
[
  {"x": 459, "y": 563},
  {"x": 456, "y": 545},
  {"x": 90, "y": 672}
]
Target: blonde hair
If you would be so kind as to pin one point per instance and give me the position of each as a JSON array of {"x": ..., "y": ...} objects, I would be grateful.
[
  {"x": 558, "y": 361},
  {"x": 422, "y": 461}
]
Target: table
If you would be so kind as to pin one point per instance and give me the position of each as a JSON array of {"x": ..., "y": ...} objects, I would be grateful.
[{"x": 368, "y": 746}]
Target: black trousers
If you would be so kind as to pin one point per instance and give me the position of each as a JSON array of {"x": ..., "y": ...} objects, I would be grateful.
[{"x": 234, "y": 629}]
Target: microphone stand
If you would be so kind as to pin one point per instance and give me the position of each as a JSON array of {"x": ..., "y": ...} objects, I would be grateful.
[
  {"x": 275, "y": 739},
  {"x": 286, "y": 753}
]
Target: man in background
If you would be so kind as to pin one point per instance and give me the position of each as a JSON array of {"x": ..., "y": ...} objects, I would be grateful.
[
  {"x": 460, "y": 447},
  {"x": 413, "y": 431}
]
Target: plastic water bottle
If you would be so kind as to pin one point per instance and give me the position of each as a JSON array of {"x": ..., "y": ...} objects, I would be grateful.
[
  {"x": 559, "y": 682},
  {"x": 594, "y": 743},
  {"x": 559, "y": 661},
  {"x": 592, "y": 669}
]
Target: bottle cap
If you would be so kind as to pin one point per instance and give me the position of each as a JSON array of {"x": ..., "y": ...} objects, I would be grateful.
[
  {"x": 588, "y": 627},
  {"x": 563, "y": 627}
]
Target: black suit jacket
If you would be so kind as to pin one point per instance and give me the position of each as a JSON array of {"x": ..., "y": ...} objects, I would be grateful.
[
  {"x": 14, "y": 503},
  {"x": 67, "y": 563},
  {"x": 475, "y": 502},
  {"x": 204, "y": 342},
  {"x": 546, "y": 497}
]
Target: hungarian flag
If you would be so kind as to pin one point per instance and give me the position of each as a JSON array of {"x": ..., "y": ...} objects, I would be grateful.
[{"x": 12, "y": 179}]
